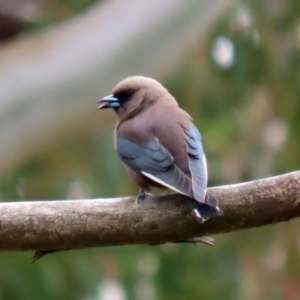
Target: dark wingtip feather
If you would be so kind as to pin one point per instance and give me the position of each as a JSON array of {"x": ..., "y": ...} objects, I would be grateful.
[
  {"x": 203, "y": 211},
  {"x": 211, "y": 200}
]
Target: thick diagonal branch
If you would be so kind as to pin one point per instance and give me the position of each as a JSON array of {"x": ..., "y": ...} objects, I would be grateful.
[{"x": 77, "y": 224}]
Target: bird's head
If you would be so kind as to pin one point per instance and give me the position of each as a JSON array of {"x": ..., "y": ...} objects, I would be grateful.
[{"x": 134, "y": 94}]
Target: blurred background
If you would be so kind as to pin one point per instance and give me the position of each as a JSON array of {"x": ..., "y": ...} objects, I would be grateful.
[{"x": 233, "y": 65}]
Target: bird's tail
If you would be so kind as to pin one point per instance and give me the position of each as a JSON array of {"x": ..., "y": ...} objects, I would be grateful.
[{"x": 207, "y": 210}]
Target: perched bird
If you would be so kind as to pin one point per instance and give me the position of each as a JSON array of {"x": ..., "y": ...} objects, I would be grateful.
[{"x": 159, "y": 144}]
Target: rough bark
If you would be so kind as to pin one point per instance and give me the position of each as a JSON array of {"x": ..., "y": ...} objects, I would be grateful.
[{"x": 77, "y": 224}]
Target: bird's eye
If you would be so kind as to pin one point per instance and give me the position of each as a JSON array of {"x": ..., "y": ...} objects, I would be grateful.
[{"x": 124, "y": 95}]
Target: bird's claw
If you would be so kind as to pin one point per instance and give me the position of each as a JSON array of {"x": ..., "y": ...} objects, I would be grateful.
[
  {"x": 203, "y": 239},
  {"x": 142, "y": 195}
]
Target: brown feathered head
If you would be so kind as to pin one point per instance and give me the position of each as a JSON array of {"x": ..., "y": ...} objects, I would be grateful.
[{"x": 134, "y": 94}]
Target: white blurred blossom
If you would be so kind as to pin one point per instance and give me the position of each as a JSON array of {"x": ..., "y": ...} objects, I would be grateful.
[
  {"x": 223, "y": 52},
  {"x": 111, "y": 290}
]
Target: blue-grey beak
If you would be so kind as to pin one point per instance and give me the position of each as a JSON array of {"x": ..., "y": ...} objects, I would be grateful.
[{"x": 109, "y": 102}]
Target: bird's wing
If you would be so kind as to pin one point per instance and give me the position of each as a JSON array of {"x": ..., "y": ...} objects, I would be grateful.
[
  {"x": 197, "y": 161},
  {"x": 155, "y": 162}
]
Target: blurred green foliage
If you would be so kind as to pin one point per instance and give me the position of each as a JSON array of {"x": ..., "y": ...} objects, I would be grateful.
[{"x": 248, "y": 114}]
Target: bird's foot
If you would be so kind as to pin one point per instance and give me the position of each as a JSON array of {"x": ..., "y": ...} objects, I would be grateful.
[
  {"x": 203, "y": 239},
  {"x": 40, "y": 253},
  {"x": 142, "y": 195}
]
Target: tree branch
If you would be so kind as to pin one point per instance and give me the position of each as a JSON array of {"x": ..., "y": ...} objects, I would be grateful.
[{"x": 62, "y": 225}]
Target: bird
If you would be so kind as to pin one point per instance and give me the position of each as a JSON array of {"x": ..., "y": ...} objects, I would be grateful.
[
  {"x": 159, "y": 143},
  {"x": 160, "y": 146}
]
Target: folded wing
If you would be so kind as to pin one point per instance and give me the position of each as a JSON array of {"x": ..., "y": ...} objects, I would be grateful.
[
  {"x": 197, "y": 165},
  {"x": 155, "y": 162}
]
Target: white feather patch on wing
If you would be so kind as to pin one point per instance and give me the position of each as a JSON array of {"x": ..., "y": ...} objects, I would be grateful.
[
  {"x": 162, "y": 183},
  {"x": 197, "y": 213},
  {"x": 199, "y": 178},
  {"x": 205, "y": 167}
]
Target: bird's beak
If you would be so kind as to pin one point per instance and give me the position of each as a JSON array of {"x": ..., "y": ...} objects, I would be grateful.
[{"x": 109, "y": 102}]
